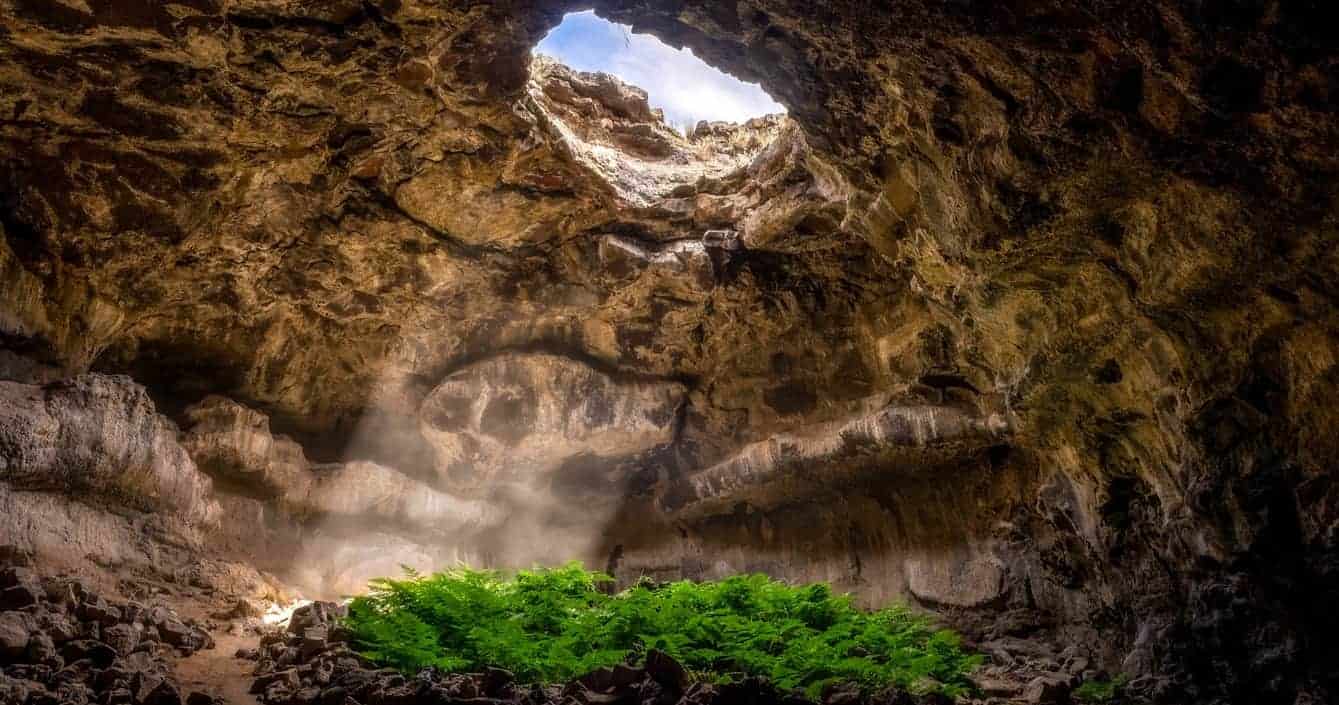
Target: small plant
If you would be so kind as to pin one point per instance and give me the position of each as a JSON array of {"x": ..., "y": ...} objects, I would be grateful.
[
  {"x": 552, "y": 625},
  {"x": 1099, "y": 691}
]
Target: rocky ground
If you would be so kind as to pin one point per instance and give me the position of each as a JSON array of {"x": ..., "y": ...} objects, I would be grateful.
[
  {"x": 63, "y": 642},
  {"x": 309, "y": 661},
  {"x": 67, "y": 640}
]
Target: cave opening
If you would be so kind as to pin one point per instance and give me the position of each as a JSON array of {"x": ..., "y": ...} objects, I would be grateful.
[{"x": 686, "y": 89}]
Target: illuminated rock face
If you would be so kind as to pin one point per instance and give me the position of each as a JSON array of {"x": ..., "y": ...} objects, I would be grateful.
[
  {"x": 233, "y": 444},
  {"x": 515, "y": 417},
  {"x": 1095, "y": 240}
]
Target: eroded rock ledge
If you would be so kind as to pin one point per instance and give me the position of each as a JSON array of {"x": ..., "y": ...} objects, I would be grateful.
[{"x": 101, "y": 439}]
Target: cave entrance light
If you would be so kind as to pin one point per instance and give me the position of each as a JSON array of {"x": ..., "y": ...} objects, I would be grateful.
[{"x": 686, "y": 88}]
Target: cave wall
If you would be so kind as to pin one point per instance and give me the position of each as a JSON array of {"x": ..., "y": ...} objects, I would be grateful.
[{"x": 1107, "y": 225}]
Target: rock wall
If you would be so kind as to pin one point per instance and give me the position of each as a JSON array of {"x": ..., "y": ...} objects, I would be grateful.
[
  {"x": 99, "y": 438},
  {"x": 1108, "y": 226}
]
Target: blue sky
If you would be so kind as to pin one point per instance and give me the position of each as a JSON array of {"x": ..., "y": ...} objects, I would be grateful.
[{"x": 681, "y": 84}]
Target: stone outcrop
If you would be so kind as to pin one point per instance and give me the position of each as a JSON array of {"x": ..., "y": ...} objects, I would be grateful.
[
  {"x": 233, "y": 444},
  {"x": 99, "y": 438},
  {"x": 368, "y": 494},
  {"x": 1109, "y": 223},
  {"x": 514, "y": 417},
  {"x": 896, "y": 438}
]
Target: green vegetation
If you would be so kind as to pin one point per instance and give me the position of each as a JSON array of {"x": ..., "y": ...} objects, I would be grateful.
[
  {"x": 552, "y": 625},
  {"x": 1099, "y": 691}
]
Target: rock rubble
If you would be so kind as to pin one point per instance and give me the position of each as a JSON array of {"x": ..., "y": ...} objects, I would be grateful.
[{"x": 62, "y": 643}]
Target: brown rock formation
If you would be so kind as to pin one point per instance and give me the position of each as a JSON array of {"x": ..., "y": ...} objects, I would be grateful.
[
  {"x": 99, "y": 438},
  {"x": 233, "y": 444},
  {"x": 1107, "y": 225},
  {"x": 515, "y": 416}
]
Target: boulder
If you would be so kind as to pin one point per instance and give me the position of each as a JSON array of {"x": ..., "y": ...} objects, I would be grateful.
[
  {"x": 59, "y": 627},
  {"x": 117, "y": 696},
  {"x": 144, "y": 683},
  {"x": 165, "y": 693},
  {"x": 15, "y": 633},
  {"x": 998, "y": 687},
  {"x": 113, "y": 677},
  {"x": 141, "y": 662},
  {"x": 66, "y": 592},
  {"x": 313, "y": 642},
  {"x": 497, "y": 682},
  {"x": 1046, "y": 690},
  {"x": 175, "y": 633},
  {"x": 315, "y": 614},
  {"x": 100, "y": 654},
  {"x": 123, "y": 637},
  {"x": 624, "y": 676},
  {"x": 42, "y": 649},
  {"x": 157, "y": 615},
  {"x": 99, "y": 610},
  {"x": 133, "y": 612},
  {"x": 19, "y": 596},
  {"x": 288, "y": 679},
  {"x": 665, "y": 670}
]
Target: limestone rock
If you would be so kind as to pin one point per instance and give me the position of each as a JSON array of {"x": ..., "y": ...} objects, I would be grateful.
[
  {"x": 519, "y": 416},
  {"x": 97, "y": 435},
  {"x": 362, "y": 492},
  {"x": 234, "y": 445},
  {"x": 800, "y": 458}
]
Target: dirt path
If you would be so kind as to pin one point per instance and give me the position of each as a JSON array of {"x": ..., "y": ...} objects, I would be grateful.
[{"x": 218, "y": 672}]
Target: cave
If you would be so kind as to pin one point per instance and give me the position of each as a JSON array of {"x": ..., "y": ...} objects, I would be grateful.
[{"x": 1018, "y": 314}]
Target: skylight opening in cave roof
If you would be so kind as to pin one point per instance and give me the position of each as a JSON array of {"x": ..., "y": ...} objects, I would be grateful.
[{"x": 686, "y": 88}]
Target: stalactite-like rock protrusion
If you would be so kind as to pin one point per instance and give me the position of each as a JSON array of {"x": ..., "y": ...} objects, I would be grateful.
[{"x": 234, "y": 445}]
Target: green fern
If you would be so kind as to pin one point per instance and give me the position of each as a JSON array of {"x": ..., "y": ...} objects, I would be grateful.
[
  {"x": 552, "y": 625},
  {"x": 1099, "y": 691}
]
